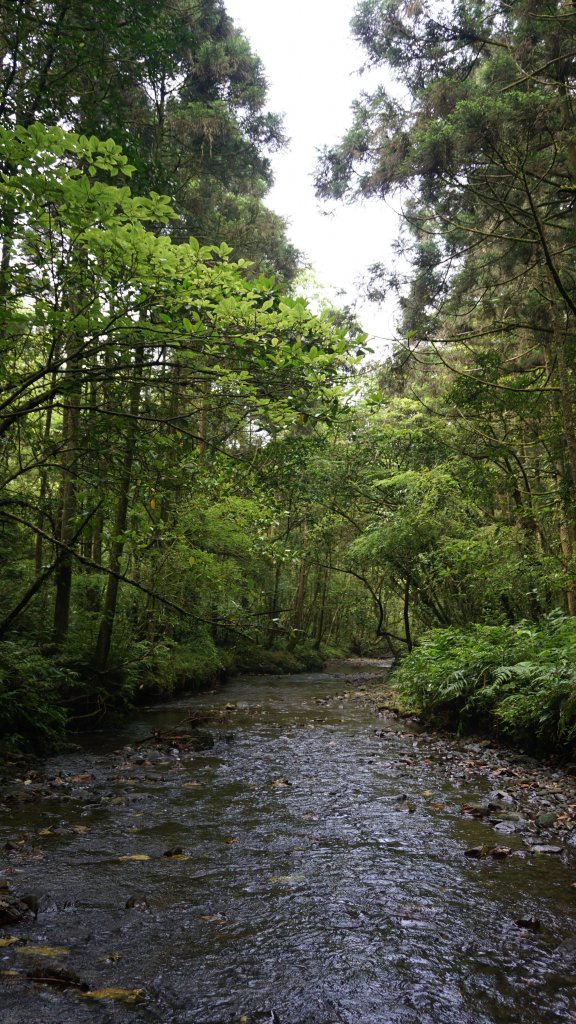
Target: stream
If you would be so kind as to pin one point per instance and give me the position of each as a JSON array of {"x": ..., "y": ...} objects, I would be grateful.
[{"x": 308, "y": 867}]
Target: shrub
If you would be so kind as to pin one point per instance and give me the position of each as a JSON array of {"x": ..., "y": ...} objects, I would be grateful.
[
  {"x": 519, "y": 679},
  {"x": 32, "y": 714}
]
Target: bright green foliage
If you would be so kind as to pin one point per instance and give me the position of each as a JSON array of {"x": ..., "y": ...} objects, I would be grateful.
[
  {"x": 177, "y": 86},
  {"x": 467, "y": 515},
  {"x": 521, "y": 679},
  {"x": 140, "y": 377}
]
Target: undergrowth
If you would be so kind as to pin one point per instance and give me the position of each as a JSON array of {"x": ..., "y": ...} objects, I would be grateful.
[
  {"x": 32, "y": 714},
  {"x": 44, "y": 697},
  {"x": 519, "y": 680}
]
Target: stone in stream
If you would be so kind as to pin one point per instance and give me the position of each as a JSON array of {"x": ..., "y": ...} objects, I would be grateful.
[
  {"x": 531, "y": 924},
  {"x": 477, "y": 852},
  {"x": 480, "y": 852},
  {"x": 546, "y": 818},
  {"x": 137, "y": 902},
  {"x": 13, "y": 911},
  {"x": 59, "y": 977},
  {"x": 475, "y": 810},
  {"x": 505, "y": 827},
  {"x": 543, "y": 848}
]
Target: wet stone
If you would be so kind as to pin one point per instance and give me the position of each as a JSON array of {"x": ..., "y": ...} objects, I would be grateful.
[
  {"x": 11, "y": 912},
  {"x": 529, "y": 923},
  {"x": 60, "y": 977},
  {"x": 546, "y": 819},
  {"x": 138, "y": 901},
  {"x": 544, "y": 848}
]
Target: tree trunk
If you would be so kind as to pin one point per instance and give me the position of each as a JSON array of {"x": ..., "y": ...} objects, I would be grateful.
[
  {"x": 68, "y": 496},
  {"x": 105, "y": 632}
]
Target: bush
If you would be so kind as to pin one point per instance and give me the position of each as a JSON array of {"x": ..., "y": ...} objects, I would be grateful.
[
  {"x": 32, "y": 714},
  {"x": 518, "y": 679},
  {"x": 251, "y": 659},
  {"x": 169, "y": 667}
]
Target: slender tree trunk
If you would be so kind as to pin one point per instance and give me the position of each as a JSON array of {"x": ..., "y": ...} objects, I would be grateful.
[
  {"x": 322, "y": 610},
  {"x": 406, "y": 613},
  {"x": 566, "y": 400},
  {"x": 563, "y": 408},
  {"x": 39, "y": 547},
  {"x": 299, "y": 602},
  {"x": 68, "y": 497},
  {"x": 105, "y": 633}
]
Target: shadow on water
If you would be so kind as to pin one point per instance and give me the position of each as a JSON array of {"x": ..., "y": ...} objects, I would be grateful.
[{"x": 317, "y": 875}]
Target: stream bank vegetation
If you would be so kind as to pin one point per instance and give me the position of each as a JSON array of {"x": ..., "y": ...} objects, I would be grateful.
[
  {"x": 472, "y": 132},
  {"x": 197, "y": 473}
]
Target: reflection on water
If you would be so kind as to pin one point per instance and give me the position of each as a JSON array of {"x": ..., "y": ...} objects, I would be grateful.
[{"x": 305, "y": 892}]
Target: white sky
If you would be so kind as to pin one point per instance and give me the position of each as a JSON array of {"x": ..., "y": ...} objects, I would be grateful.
[{"x": 311, "y": 64}]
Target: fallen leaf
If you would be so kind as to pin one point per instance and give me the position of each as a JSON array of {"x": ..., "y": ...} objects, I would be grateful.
[
  {"x": 280, "y": 783},
  {"x": 125, "y": 995},
  {"x": 135, "y": 856},
  {"x": 191, "y": 785},
  {"x": 80, "y": 830},
  {"x": 49, "y": 951},
  {"x": 231, "y": 840},
  {"x": 45, "y": 832},
  {"x": 213, "y": 918},
  {"x": 8, "y": 940}
]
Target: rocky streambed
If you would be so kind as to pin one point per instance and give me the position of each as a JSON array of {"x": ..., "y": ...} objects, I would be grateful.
[{"x": 288, "y": 849}]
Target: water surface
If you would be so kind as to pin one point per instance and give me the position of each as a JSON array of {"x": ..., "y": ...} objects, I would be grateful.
[{"x": 322, "y": 877}]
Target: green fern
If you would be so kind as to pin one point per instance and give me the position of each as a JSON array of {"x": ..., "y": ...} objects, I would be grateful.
[{"x": 521, "y": 677}]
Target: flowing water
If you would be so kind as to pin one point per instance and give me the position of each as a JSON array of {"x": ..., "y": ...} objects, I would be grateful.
[{"x": 321, "y": 877}]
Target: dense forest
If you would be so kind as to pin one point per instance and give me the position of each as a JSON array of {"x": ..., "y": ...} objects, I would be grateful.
[{"x": 201, "y": 473}]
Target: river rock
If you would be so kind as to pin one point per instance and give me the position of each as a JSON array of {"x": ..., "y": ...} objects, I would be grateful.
[
  {"x": 12, "y": 911},
  {"x": 546, "y": 819},
  {"x": 544, "y": 848},
  {"x": 59, "y": 977},
  {"x": 531, "y": 924},
  {"x": 137, "y": 902}
]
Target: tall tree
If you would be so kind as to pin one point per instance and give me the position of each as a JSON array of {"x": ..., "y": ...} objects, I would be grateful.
[{"x": 484, "y": 142}]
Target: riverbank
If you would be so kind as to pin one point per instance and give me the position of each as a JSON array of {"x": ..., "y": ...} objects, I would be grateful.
[
  {"x": 45, "y": 700},
  {"x": 524, "y": 795}
]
